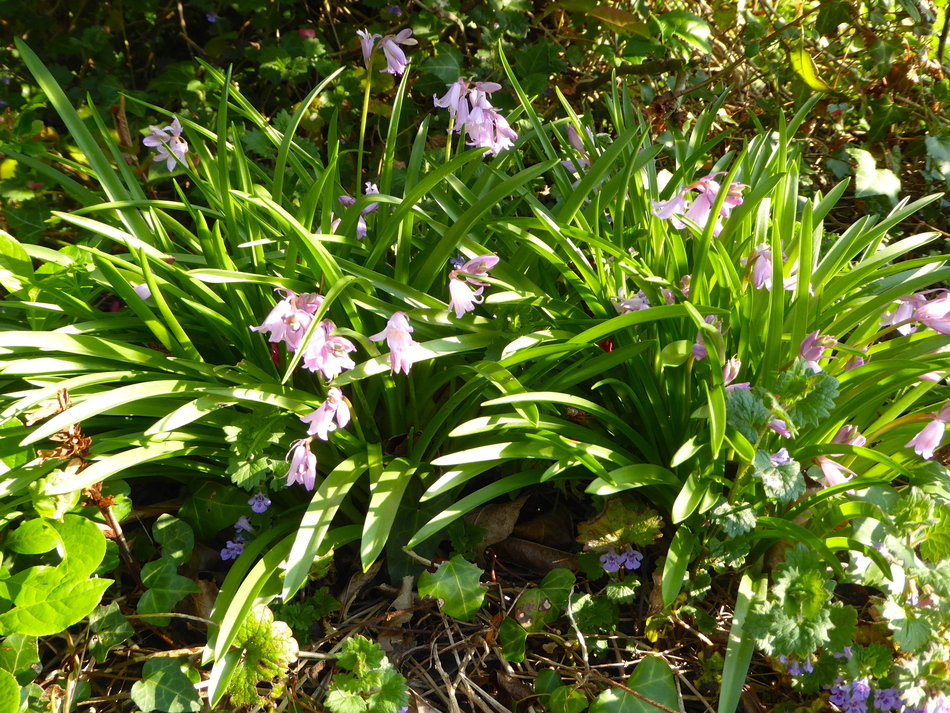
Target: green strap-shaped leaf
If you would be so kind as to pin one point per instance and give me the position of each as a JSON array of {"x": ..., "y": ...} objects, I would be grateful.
[{"x": 741, "y": 646}]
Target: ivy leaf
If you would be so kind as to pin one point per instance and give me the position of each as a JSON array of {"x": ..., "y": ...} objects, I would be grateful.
[
  {"x": 165, "y": 687},
  {"x": 110, "y": 629},
  {"x": 268, "y": 650},
  {"x": 512, "y": 637},
  {"x": 537, "y": 608},
  {"x": 873, "y": 181},
  {"x": 457, "y": 584},
  {"x": 619, "y": 526},
  {"x": 446, "y": 64},
  {"x": 653, "y": 679},
  {"x": 746, "y": 413},
  {"x": 176, "y": 538},
  {"x": 211, "y": 507},
  {"x": 782, "y": 481},
  {"x": 165, "y": 589}
]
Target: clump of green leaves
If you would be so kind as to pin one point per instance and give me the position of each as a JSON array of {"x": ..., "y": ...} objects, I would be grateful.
[
  {"x": 254, "y": 454},
  {"x": 301, "y": 616},
  {"x": 800, "y": 615},
  {"x": 372, "y": 685},
  {"x": 165, "y": 586},
  {"x": 618, "y": 526},
  {"x": 267, "y": 648}
]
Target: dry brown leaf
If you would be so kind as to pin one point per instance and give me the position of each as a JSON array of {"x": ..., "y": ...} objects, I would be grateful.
[{"x": 540, "y": 559}]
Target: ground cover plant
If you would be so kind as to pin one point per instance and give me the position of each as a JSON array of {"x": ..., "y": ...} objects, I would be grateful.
[{"x": 230, "y": 411}]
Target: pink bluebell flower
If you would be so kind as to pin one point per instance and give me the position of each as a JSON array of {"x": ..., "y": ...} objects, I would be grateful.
[
  {"x": 303, "y": 464},
  {"x": 730, "y": 372},
  {"x": 928, "y": 440},
  {"x": 334, "y": 408},
  {"x": 625, "y": 305},
  {"x": 583, "y": 161},
  {"x": 813, "y": 348},
  {"x": 699, "y": 209},
  {"x": 367, "y": 43},
  {"x": 935, "y": 314},
  {"x": 463, "y": 297},
  {"x": 328, "y": 353},
  {"x": 778, "y": 425},
  {"x": 903, "y": 313},
  {"x": 403, "y": 349},
  {"x": 289, "y": 319},
  {"x": 834, "y": 472},
  {"x": 171, "y": 147},
  {"x": 468, "y": 104},
  {"x": 396, "y": 61}
]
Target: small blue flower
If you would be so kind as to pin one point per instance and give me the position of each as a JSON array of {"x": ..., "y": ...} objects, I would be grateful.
[
  {"x": 232, "y": 550},
  {"x": 397, "y": 11},
  {"x": 243, "y": 524},
  {"x": 886, "y": 699},
  {"x": 610, "y": 561},
  {"x": 259, "y": 503},
  {"x": 211, "y": 17}
]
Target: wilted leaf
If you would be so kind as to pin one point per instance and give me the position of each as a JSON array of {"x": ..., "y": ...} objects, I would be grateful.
[
  {"x": 620, "y": 20},
  {"x": 619, "y": 526}
]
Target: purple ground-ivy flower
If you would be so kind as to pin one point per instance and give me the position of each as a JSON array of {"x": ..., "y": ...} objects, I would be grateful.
[
  {"x": 778, "y": 425},
  {"x": 243, "y": 524},
  {"x": 259, "y": 503},
  {"x": 781, "y": 457},
  {"x": 232, "y": 550},
  {"x": 887, "y": 699}
]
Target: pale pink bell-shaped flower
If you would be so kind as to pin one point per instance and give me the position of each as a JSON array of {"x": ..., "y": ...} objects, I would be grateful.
[
  {"x": 928, "y": 440},
  {"x": 396, "y": 61},
  {"x": 813, "y": 348},
  {"x": 171, "y": 147},
  {"x": 463, "y": 297},
  {"x": 935, "y": 314},
  {"x": 367, "y": 42},
  {"x": 142, "y": 291},
  {"x": 303, "y": 464},
  {"x": 328, "y": 353},
  {"x": 334, "y": 408},
  {"x": 699, "y": 210},
  {"x": 778, "y": 425},
  {"x": 730, "y": 372},
  {"x": 900, "y": 316},
  {"x": 457, "y": 94},
  {"x": 636, "y": 303},
  {"x": 289, "y": 319},
  {"x": 583, "y": 162},
  {"x": 402, "y": 347}
]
